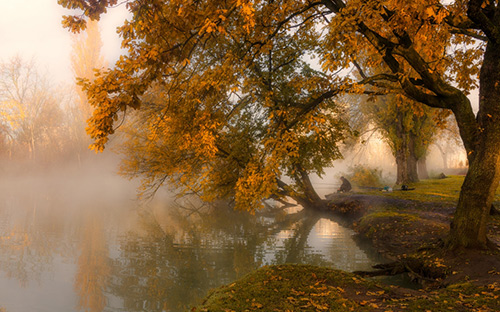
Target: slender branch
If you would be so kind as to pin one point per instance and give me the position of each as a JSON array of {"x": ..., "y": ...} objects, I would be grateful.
[
  {"x": 384, "y": 77},
  {"x": 312, "y": 105},
  {"x": 470, "y": 33}
]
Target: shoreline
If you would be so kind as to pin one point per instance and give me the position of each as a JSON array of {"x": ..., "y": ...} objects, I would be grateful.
[{"x": 409, "y": 232}]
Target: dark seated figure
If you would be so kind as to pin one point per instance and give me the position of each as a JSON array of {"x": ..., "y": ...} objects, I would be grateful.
[{"x": 345, "y": 187}]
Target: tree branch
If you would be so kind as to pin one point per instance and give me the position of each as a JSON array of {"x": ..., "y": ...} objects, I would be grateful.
[
  {"x": 312, "y": 105},
  {"x": 478, "y": 16},
  {"x": 469, "y": 33}
]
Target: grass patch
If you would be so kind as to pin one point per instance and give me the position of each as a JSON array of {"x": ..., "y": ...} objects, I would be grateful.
[
  {"x": 397, "y": 216},
  {"x": 444, "y": 190},
  {"x": 291, "y": 288},
  {"x": 309, "y": 288},
  {"x": 459, "y": 297},
  {"x": 385, "y": 222}
]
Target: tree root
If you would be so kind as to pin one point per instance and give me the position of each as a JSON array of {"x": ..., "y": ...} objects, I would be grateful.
[{"x": 400, "y": 267}]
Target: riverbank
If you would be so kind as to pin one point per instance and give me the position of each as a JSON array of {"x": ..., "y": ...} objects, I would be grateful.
[{"x": 408, "y": 228}]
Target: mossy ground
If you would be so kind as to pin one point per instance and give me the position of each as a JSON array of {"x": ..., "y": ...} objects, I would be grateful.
[
  {"x": 308, "y": 288},
  {"x": 291, "y": 288},
  {"x": 410, "y": 230}
]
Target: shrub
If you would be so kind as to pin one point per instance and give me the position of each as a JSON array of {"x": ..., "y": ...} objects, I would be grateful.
[{"x": 364, "y": 176}]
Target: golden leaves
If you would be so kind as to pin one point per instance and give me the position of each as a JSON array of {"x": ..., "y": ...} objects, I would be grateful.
[
  {"x": 258, "y": 181},
  {"x": 247, "y": 11},
  {"x": 75, "y": 24},
  {"x": 208, "y": 26}
]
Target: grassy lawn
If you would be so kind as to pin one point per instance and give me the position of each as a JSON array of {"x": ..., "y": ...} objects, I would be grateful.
[{"x": 431, "y": 190}]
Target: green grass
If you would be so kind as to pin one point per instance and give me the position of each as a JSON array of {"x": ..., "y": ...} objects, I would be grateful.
[
  {"x": 444, "y": 190},
  {"x": 459, "y": 297}
]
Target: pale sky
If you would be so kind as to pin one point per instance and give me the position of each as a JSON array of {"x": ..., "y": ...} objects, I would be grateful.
[{"x": 32, "y": 29}]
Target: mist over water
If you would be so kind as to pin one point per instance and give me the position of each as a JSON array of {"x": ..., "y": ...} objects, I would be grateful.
[{"x": 76, "y": 239}]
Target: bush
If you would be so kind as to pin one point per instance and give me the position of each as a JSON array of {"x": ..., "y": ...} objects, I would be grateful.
[{"x": 364, "y": 176}]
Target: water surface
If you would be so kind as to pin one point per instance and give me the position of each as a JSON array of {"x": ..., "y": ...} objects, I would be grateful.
[{"x": 78, "y": 241}]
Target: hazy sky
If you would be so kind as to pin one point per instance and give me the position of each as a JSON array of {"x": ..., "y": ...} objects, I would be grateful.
[{"x": 32, "y": 29}]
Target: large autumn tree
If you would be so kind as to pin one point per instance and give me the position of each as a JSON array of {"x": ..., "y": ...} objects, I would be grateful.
[
  {"x": 419, "y": 36},
  {"x": 239, "y": 131},
  {"x": 434, "y": 51}
]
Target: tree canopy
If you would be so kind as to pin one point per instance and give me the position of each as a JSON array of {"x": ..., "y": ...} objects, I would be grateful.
[{"x": 237, "y": 133}]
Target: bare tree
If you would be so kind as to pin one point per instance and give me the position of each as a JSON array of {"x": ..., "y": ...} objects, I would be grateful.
[{"x": 29, "y": 112}]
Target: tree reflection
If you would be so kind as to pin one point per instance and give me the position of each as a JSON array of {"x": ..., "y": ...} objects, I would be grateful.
[
  {"x": 295, "y": 247},
  {"x": 25, "y": 252},
  {"x": 170, "y": 258},
  {"x": 93, "y": 267},
  {"x": 175, "y": 257}
]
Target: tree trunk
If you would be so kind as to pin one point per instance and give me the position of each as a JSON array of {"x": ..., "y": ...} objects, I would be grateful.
[
  {"x": 308, "y": 198},
  {"x": 469, "y": 226},
  {"x": 304, "y": 194},
  {"x": 444, "y": 156},
  {"x": 422, "y": 168},
  {"x": 406, "y": 167},
  {"x": 406, "y": 162}
]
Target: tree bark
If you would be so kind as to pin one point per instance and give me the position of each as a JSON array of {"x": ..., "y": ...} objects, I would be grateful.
[
  {"x": 406, "y": 162},
  {"x": 469, "y": 226}
]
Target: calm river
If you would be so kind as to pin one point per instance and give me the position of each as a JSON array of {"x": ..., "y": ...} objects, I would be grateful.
[{"x": 78, "y": 241}]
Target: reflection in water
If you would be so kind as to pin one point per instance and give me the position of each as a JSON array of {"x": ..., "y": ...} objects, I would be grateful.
[
  {"x": 171, "y": 259},
  {"x": 121, "y": 258},
  {"x": 24, "y": 251},
  {"x": 93, "y": 267}
]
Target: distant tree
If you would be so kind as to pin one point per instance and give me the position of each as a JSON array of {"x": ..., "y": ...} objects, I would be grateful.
[
  {"x": 86, "y": 59},
  {"x": 407, "y": 126},
  {"x": 448, "y": 141},
  {"x": 30, "y": 114}
]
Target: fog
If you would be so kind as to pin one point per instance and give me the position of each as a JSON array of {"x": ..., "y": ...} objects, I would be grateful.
[{"x": 376, "y": 154}]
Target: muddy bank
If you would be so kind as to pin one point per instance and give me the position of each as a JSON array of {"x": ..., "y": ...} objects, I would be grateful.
[
  {"x": 395, "y": 226},
  {"x": 413, "y": 234}
]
